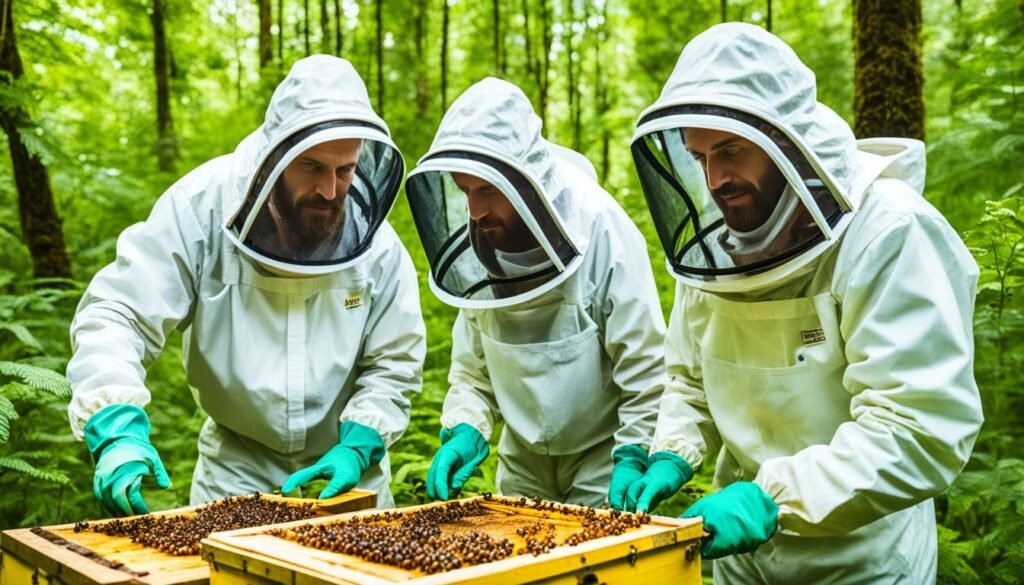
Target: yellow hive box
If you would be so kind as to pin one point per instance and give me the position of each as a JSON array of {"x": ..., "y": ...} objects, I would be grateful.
[
  {"x": 86, "y": 558},
  {"x": 667, "y": 550}
]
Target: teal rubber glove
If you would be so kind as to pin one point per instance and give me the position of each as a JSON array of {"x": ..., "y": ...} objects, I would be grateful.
[
  {"x": 666, "y": 473},
  {"x": 739, "y": 518},
  {"x": 462, "y": 450},
  {"x": 358, "y": 448},
  {"x": 118, "y": 440},
  {"x": 629, "y": 465}
]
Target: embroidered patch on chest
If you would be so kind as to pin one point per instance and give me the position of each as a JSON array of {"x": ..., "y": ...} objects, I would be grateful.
[
  {"x": 813, "y": 336},
  {"x": 353, "y": 301}
]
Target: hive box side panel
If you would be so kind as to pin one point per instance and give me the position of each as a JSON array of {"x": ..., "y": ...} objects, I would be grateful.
[{"x": 56, "y": 561}]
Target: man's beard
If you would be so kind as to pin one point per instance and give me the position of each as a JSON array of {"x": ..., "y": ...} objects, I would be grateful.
[
  {"x": 507, "y": 238},
  {"x": 750, "y": 217},
  {"x": 309, "y": 232}
]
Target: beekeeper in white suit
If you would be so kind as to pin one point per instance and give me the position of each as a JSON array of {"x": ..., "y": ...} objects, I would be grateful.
[
  {"x": 559, "y": 331},
  {"x": 822, "y": 326},
  {"x": 303, "y": 337}
]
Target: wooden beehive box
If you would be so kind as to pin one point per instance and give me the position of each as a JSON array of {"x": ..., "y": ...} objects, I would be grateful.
[
  {"x": 667, "y": 550},
  {"x": 91, "y": 558}
]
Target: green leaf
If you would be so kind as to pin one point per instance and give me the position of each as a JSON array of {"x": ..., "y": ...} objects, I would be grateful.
[
  {"x": 25, "y": 468},
  {"x": 7, "y": 414},
  {"x": 38, "y": 378},
  {"x": 23, "y": 335}
]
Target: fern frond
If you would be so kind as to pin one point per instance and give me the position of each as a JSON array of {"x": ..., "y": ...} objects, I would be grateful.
[
  {"x": 7, "y": 414},
  {"x": 38, "y": 378},
  {"x": 22, "y": 334},
  {"x": 25, "y": 468}
]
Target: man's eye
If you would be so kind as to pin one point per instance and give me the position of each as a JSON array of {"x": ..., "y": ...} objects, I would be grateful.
[{"x": 732, "y": 151}]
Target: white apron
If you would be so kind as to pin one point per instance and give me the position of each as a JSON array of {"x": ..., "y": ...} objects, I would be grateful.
[
  {"x": 773, "y": 375},
  {"x": 274, "y": 402},
  {"x": 552, "y": 382}
]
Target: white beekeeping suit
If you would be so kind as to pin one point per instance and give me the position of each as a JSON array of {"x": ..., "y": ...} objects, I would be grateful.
[
  {"x": 563, "y": 341},
  {"x": 280, "y": 345},
  {"x": 835, "y": 371}
]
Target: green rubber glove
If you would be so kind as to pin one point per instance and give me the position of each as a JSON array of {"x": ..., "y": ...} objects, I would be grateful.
[
  {"x": 118, "y": 439},
  {"x": 629, "y": 465},
  {"x": 740, "y": 518},
  {"x": 666, "y": 473},
  {"x": 358, "y": 448},
  {"x": 462, "y": 450}
]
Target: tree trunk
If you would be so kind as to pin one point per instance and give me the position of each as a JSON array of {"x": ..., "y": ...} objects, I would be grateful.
[
  {"x": 603, "y": 103},
  {"x": 725, "y": 12},
  {"x": 280, "y": 33},
  {"x": 545, "y": 62},
  {"x": 531, "y": 67},
  {"x": 444, "y": 56},
  {"x": 422, "y": 81},
  {"x": 570, "y": 86},
  {"x": 266, "y": 42},
  {"x": 237, "y": 39},
  {"x": 305, "y": 24},
  {"x": 325, "y": 28},
  {"x": 166, "y": 143},
  {"x": 768, "y": 21},
  {"x": 338, "y": 22},
  {"x": 380, "y": 59},
  {"x": 40, "y": 225},
  {"x": 888, "y": 77},
  {"x": 496, "y": 9}
]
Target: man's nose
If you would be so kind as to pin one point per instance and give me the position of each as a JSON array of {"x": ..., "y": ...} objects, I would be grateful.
[
  {"x": 718, "y": 175},
  {"x": 478, "y": 208},
  {"x": 327, "y": 187}
]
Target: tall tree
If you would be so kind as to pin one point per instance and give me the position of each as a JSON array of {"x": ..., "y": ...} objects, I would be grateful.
[
  {"x": 531, "y": 64},
  {"x": 337, "y": 27},
  {"x": 280, "y": 33},
  {"x": 603, "y": 102},
  {"x": 570, "y": 87},
  {"x": 422, "y": 81},
  {"x": 325, "y": 28},
  {"x": 768, "y": 20},
  {"x": 40, "y": 225},
  {"x": 499, "y": 65},
  {"x": 380, "y": 58},
  {"x": 545, "y": 64},
  {"x": 888, "y": 76},
  {"x": 725, "y": 11},
  {"x": 167, "y": 143},
  {"x": 444, "y": 55},
  {"x": 266, "y": 41},
  {"x": 305, "y": 25}
]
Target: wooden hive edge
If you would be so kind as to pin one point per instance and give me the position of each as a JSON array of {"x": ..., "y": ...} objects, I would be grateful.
[{"x": 661, "y": 532}]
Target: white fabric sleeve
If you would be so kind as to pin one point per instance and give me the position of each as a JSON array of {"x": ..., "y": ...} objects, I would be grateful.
[
  {"x": 470, "y": 398},
  {"x": 130, "y": 307},
  {"x": 907, "y": 300},
  {"x": 685, "y": 426},
  {"x": 633, "y": 331},
  {"x": 390, "y": 368}
]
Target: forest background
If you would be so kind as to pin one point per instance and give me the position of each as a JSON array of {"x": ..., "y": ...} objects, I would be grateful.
[{"x": 105, "y": 103}]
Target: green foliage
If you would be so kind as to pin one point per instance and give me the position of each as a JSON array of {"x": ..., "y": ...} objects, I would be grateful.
[
  {"x": 984, "y": 525},
  {"x": 89, "y": 89},
  {"x": 33, "y": 459}
]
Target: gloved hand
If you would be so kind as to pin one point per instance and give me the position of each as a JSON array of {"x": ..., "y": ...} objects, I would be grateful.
[
  {"x": 666, "y": 473},
  {"x": 358, "y": 448},
  {"x": 463, "y": 448},
  {"x": 629, "y": 465},
  {"x": 740, "y": 518},
  {"x": 118, "y": 440}
]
